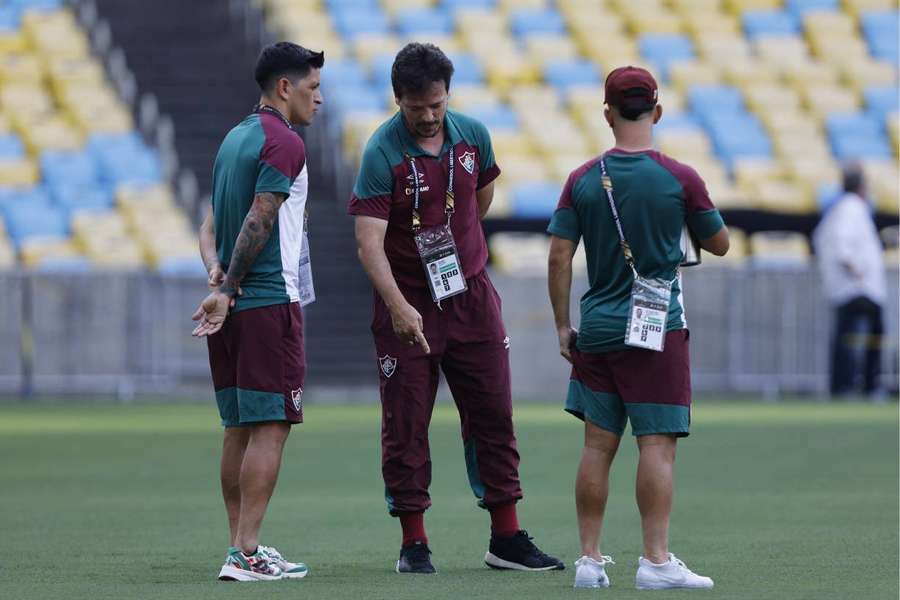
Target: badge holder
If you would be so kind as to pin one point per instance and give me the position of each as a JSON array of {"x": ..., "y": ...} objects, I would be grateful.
[
  {"x": 436, "y": 246},
  {"x": 648, "y": 311}
]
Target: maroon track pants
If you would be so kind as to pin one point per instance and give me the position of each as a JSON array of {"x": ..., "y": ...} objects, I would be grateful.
[{"x": 469, "y": 344}]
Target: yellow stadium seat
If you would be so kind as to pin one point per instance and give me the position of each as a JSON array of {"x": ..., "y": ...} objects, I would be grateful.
[
  {"x": 78, "y": 71},
  {"x": 35, "y": 251},
  {"x": 585, "y": 25},
  {"x": 822, "y": 100},
  {"x": 830, "y": 22},
  {"x": 54, "y": 133},
  {"x": 762, "y": 97},
  {"x": 779, "y": 51},
  {"x": 784, "y": 197},
  {"x": 698, "y": 24},
  {"x": 721, "y": 48},
  {"x": 609, "y": 51},
  {"x": 663, "y": 21},
  {"x": 779, "y": 248},
  {"x": 86, "y": 226},
  {"x": 522, "y": 168},
  {"x": 93, "y": 119},
  {"x": 116, "y": 253},
  {"x": 545, "y": 48},
  {"x": 695, "y": 8},
  {"x": 598, "y": 134},
  {"x": 576, "y": 10},
  {"x": 507, "y": 142},
  {"x": 326, "y": 41},
  {"x": 790, "y": 123},
  {"x": 684, "y": 74},
  {"x": 724, "y": 194},
  {"x": 894, "y": 131},
  {"x": 883, "y": 180},
  {"x": 366, "y": 48},
  {"x": 478, "y": 22},
  {"x": 7, "y": 255},
  {"x": 21, "y": 68},
  {"x": 292, "y": 5},
  {"x": 671, "y": 100},
  {"x": 465, "y": 97},
  {"x": 737, "y": 251},
  {"x": 393, "y": 7},
  {"x": 802, "y": 75},
  {"x": 561, "y": 165},
  {"x": 135, "y": 195},
  {"x": 627, "y": 7},
  {"x": 748, "y": 172},
  {"x": 18, "y": 172},
  {"x": 811, "y": 171},
  {"x": 450, "y": 44},
  {"x": 522, "y": 254},
  {"x": 792, "y": 144},
  {"x": 358, "y": 129},
  {"x": 840, "y": 51},
  {"x": 748, "y": 74},
  {"x": 862, "y": 74},
  {"x": 541, "y": 99},
  {"x": 739, "y": 6},
  {"x": 509, "y": 5},
  {"x": 13, "y": 41},
  {"x": 563, "y": 138},
  {"x": 20, "y": 100},
  {"x": 684, "y": 145},
  {"x": 500, "y": 205},
  {"x": 301, "y": 23}
]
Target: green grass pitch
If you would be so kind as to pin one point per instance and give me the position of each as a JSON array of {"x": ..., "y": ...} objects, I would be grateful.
[{"x": 774, "y": 501}]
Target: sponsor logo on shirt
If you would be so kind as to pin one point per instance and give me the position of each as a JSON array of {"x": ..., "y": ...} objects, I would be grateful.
[{"x": 412, "y": 190}]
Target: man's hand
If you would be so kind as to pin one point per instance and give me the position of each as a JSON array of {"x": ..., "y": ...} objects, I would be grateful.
[
  {"x": 566, "y": 339},
  {"x": 216, "y": 277},
  {"x": 212, "y": 313},
  {"x": 408, "y": 326}
]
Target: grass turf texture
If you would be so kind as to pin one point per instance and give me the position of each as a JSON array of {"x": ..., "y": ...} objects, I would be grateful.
[{"x": 788, "y": 501}]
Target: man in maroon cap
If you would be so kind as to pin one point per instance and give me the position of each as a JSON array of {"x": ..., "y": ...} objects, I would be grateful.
[{"x": 630, "y": 357}]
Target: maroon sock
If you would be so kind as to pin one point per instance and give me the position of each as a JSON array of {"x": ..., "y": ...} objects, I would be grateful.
[
  {"x": 413, "y": 524},
  {"x": 504, "y": 520}
]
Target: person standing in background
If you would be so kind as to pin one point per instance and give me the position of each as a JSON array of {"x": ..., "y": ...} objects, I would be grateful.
[{"x": 849, "y": 253}]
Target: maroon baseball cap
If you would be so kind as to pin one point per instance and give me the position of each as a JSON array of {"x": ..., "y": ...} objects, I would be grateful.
[{"x": 632, "y": 86}]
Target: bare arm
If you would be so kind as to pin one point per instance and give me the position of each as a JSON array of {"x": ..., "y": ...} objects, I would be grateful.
[
  {"x": 484, "y": 196},
  {"x": 559, "y": 281},
  {"x": 407, "y": 321},
  {"x": 208, "y": 251},
  {"x": 717, "y": 244},
  {"x": 252, "y": 238}
]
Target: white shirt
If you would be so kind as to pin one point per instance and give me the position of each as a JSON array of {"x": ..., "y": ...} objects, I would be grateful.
[
  {"x": 847, "y": 236},
  {"x": 295, "y": 266}
]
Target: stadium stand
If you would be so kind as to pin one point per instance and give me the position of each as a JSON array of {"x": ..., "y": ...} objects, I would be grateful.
[
  {"x": 79, "y": 187},
  {"x": 765, "y": 97}
]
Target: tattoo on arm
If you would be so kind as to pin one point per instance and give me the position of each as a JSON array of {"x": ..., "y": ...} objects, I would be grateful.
[{"x": 254, "y": 234}]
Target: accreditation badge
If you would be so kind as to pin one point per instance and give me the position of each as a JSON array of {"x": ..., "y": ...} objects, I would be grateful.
[
  {"x": 649, "y": 313},
  {"x": 437, "y": 249}
]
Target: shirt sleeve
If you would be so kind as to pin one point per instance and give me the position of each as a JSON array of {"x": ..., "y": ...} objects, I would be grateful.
[
  {"x": 488, "y": 170},
  {"x": 564, "y": 223},
  {"x": 374, "y": 186},
  {"x": 280, "y": 161},
  {"x": 703, "y": 218}
]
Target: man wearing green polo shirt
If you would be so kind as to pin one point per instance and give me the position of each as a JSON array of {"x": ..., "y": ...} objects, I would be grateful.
[{"x": 630, "y": 207}]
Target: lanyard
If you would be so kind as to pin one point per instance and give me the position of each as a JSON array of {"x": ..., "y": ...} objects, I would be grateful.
[
  {"x": 607, "y": 185},
  {"x": 449, "y": 198},
  {"x": 273, "y": 111}
]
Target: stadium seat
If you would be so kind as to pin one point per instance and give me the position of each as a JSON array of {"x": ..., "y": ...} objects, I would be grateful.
[
  {"x": 765, "y": 23},
  {"x": 564, "y": 74},
  {"x": 664, "y": 49},
  {"x": 524, "y": 22},
  {"x": 29, "y": 221},
  {"x": 520, "y": 254},
  {"x": 779, "y": 250},
  {"x": 424, "y": 22},
  {"x": 798, "y": 8},
  {"x": 535, "y": 200},
  {"x": 466, "y": 70}
]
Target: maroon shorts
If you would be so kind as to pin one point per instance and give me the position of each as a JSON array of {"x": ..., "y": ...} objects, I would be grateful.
[
  {"x": 258, "y": 365},
  {"x": 469, "y": 345},
  {"x": 650, "y": 389}
]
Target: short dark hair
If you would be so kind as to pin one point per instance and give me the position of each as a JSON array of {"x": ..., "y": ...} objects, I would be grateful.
[
  {"x": 853, "y": 178},
  {"x": 285, "y": 59},
  {"x": 634, "y": 104},
  {"x": 417, "y": 66}
]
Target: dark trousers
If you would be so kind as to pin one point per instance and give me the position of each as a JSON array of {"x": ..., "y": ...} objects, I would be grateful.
[{"x": 848, "y": 338}]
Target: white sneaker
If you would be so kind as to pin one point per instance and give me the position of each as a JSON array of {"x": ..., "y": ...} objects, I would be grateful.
[
  {"x": 671, "y": 574},
  {"x": 591, "y": 573},
  {"x": 289, "y": 570}
]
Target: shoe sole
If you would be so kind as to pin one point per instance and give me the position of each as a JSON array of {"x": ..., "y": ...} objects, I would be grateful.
[
  {"x": 670, "y": 586},
  {"x": 590, "y": 584},
  {"x": 498, "y": 563},
  {"x": 298, "y": 575},
  {"x": 397, "y": 570},
  {"x": 232, "y": 574}
]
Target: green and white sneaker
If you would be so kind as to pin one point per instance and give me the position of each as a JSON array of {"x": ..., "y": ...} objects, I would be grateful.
[
  {"x": 256, "y": 567},
  {"x": 289, "y": 570}
]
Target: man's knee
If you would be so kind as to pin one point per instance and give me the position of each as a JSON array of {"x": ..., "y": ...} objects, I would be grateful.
[
  {"x": 272, "y": 432},
  {"x": 597, "y": 438},
  {"x": 661, "y": 446}
]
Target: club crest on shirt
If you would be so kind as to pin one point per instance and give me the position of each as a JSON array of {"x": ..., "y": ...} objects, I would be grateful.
[
  {"x": 296, "y": 398},
  {"x": 410, "y": 182},
  {"x": 467, "y": 161},
  {"x": 388, "y": 365}
]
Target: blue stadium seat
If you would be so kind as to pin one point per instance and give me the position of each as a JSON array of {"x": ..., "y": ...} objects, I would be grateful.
[
  {"x": 798, "y": 8},
  {"x": 495, "y": 117},
  {"x": 881, "y": 34},
  {"x": 826, "y": 195},
  {"x": 458, "y": 4},
  {"x": 344, "y": 5},
  {"x": 10, "y": 18},
  {"x": 737, "y": 135},
  {"x": 760, "y": 23},
  {"x": 69, "y": 168},
  {"x": 466, "y": 69},
  {"x": 680, "y": 121},
  {"x": 36, "y": 4},
  {"x": 527, "y": 21},
  {"x": 881, "y": 101},
  {"x": 36, "y": 195},
  {"x": 853, "y": 124},
  {"x": 537, "y": 200},
  {"x": 662, "y": 49},
  {"x": 380, "y": 70},
  {"x": 137, "y": 166},
  {"x": 565, "y": 73},
  {"x": 343, "y": 73},
  {"x": 82, "y": 197},
  {"x": 182, "y": 266},
  {"x": 847, "y": 147},
  {"x": 424, "y": 21},
  {"x": 65, "y": 265},
  {"x": 706, "y": 99},
  {"x": 362, "y": 99},
  {"x": 24, "y": 221},
  {"x": 11, "y": 147},
  {"x": 353, "y": 22}
]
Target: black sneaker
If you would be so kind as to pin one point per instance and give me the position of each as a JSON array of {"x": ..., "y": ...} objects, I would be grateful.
[
  {"x": 415, "y": 558},
  {"x": 519, "y": 553}
]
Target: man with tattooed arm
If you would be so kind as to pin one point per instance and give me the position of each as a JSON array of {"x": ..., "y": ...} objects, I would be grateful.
[{"x": 253, "y": 244}]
